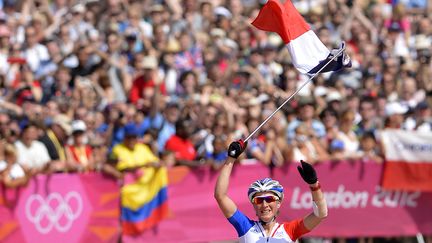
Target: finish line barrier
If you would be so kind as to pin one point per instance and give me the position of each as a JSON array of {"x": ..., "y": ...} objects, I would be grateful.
[{"x": 85, "y": 207}]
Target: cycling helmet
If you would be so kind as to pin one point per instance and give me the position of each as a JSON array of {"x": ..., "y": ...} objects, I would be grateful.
[{"x": 265, "y": 185}]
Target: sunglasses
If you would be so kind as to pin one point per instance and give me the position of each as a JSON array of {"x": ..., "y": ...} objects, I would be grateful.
[{"x": 267, "y": 199}]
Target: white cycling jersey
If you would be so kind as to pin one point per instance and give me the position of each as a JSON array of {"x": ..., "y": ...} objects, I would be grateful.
[{"x": 252, "y": 231}]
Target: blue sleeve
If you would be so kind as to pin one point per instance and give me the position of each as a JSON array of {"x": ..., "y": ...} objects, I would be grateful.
[{"x": 241, "y": 223}]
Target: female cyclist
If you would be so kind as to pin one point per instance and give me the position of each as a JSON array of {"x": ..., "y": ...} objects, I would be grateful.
[{"x": 266, "y": 196}]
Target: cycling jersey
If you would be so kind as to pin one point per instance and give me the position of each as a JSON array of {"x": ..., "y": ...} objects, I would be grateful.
[{"x": 252, "y": 231}]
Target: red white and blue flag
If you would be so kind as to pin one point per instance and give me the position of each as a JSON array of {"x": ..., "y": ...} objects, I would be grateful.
[{"x": 307, "y": 51}]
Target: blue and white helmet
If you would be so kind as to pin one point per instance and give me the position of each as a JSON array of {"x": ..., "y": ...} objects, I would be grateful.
[{"x": 265, "y": 185}]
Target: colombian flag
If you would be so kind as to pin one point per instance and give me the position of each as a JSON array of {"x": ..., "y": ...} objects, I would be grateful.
[{"x": 144, "y": 201}]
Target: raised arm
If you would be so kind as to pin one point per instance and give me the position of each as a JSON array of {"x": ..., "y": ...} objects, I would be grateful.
[
  {"x": 226, "y": 204},
  {"x": 308, "y": 174}
]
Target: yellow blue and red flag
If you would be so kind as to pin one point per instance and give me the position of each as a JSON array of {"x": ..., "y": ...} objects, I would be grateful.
[
  {"x": 144, "y": 202},
  {"x": 144, "y": 194}
]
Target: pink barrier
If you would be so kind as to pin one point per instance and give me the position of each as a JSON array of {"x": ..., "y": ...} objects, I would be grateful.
[
  {"x": 61, "y": 208},
  {"x": 85, "y": 208},
  {"x": 357, "y": 205}
]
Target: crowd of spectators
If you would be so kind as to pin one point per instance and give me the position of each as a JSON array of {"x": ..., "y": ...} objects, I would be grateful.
[
  {"x": 185, "y": 78},
  {"x": 84, "y": 82}
]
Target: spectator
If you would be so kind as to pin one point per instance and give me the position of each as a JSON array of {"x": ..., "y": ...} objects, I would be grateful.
[
  {"x": 55, "y": 139},
  {"x": 329, "y": 118},
  {"x": 269, "y": 68},
  {"x": 421, "y": 121},
  {"x": 96, "y": 123},
  {"x": 61, "y": 85},
  {"x": 168, "y": 70},
  {"x": 204, "y": 137},
  {"x": 190, "y": 57},
  {"x": 32, "y": 153},
  {"x": 188, "y": 83},
  {"x": 410, "y": 94},
  {"x": 346, "y": 133},
  {"x": 150, "y": 139},
  {"x": 353, "y": 104},
  {"x": 27, "y": 88},
  {"x": 34, "y": 52},
  {"x": 13, "y": 131},
  {"x": 306, "y": 146},
  {"x": 217, "y": 157},
  {"x": 334, "y": 101},
  {"x": 306, "y": 113},
  {"x": 4, "y": 48},
  {"x": 398, "y": 20},
  {"x": 368, "y": 150},
  {"x": 394, "y": 113},
  {"x": 79, "y": 154},
  {"x": 388, "y": 84},
  {"x": 279, "y": 124},
  {"x": 4, "y": 123},
  {"x": 369, "y": 120},
  {"x": 181, "y": 145},
  {"x": 143, "y": 85},
  {"x": 264, "y": 149},
  {"x": 87, "y": 62},
  {"x": 131, "y": 155},
  {"x": 337, "y": 148},
  {"x": 12, "y": 174},
  {"x": 116, "y": 121},
  {"x": 165, "y": 123}
]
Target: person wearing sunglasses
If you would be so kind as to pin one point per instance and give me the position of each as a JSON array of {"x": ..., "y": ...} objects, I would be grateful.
[{"x": 266, "y": 196}]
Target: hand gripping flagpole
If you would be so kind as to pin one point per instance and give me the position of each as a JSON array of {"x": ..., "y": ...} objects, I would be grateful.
[{"x": 293, "y": 94}]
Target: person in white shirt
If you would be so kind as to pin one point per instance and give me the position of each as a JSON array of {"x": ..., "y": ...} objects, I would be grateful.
[
  {"x": 12, "y": 174},
  {"x": 32, "y": 153},
  {"x": 421, "y": 120},
  {"x": 34, "y": 52}
]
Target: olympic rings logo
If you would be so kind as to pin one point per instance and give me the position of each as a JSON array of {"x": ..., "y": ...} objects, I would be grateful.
[{"x": 53, "y": 211}]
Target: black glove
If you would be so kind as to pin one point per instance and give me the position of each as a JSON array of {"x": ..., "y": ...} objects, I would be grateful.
[
  {"x": 236, "y": 148},
  {"x": 307, "y": 172}
]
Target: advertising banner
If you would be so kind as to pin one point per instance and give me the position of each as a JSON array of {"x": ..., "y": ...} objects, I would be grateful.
[
  {"x": 358, "y": 206},
  {"x": 61, "y": 208},
  {"x": 85, "y": 208}
]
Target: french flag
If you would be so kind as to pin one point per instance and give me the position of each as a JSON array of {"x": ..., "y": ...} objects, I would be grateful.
[{"x": 307, "y": 51}]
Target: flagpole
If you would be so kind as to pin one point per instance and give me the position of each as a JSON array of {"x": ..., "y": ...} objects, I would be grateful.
[{"x": 293, "y": 94}]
